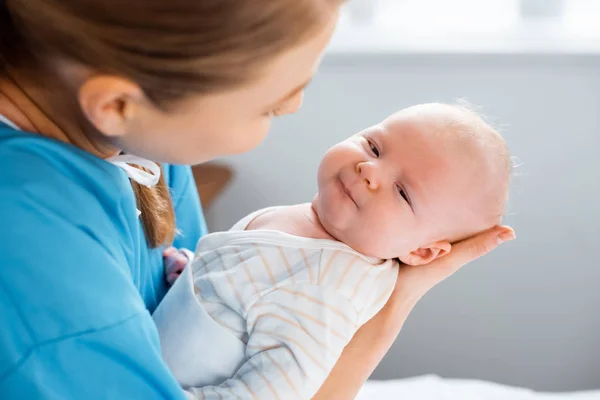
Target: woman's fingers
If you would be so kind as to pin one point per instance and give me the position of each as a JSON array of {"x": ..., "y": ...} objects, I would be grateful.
[
  {"x": 175, "y": 261},
  {"x": 170, "y": 252},
  {"x": 466, "y": 251}
]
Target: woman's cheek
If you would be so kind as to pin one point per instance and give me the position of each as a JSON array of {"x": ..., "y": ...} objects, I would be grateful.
[{"x": 247, "y": 139}]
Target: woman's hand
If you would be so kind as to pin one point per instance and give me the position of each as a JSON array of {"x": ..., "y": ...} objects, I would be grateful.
[
  {"x": 175, "y": 261},
  {"x": 418, "y": 280},
  {"x": 373, "y": 339}
]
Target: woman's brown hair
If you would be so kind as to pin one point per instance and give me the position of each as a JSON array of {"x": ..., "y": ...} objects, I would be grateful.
[{"x": 171, "y": 49}]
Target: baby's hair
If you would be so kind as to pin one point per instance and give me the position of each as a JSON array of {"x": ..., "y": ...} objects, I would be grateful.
[
  {"x": 463, "y": 127},
  {"x": 465, "y": 121},
  {"x": 485, "y": 131},
  {"x": 478, "y": 128}
]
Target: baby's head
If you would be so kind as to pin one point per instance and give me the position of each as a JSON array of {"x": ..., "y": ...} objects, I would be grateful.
[{"x": 427, "y": 176}]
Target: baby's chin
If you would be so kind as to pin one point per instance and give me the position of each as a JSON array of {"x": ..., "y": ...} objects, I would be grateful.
[
  {"x": 343, "y": 231},
  {"x": 368, "y": 249}
]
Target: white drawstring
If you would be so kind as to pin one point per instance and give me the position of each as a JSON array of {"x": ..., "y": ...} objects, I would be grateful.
[
  {"x": 9, "y": 122},
  {"x": 142, "y": 177},
  {"x": 122, "y": 161}
]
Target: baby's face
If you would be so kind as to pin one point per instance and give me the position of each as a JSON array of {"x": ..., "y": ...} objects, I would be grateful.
[{"x": 398, "y": 187}]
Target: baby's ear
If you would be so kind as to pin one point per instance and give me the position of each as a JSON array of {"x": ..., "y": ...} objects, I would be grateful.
[{"x": 426, "y": 254}]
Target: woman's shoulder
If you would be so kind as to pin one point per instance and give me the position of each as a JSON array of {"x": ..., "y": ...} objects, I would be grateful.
[
  {"x": 40, "y": 173},
  {"x": 49, "y": 188},
  {"x": 35, "y": 158},
  {"x": 67, "y": 236}
]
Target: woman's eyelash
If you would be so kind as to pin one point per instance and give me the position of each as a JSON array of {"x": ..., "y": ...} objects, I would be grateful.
[{"x": 274, "y": 112}]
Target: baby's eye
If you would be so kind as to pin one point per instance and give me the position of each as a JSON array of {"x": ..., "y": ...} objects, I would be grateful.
[
  {"x": 403, "y": 194},
  {"x": 374, "y": 149}
]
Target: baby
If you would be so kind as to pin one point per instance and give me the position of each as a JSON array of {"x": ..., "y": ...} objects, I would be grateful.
[{"x": 264, "y": 310}]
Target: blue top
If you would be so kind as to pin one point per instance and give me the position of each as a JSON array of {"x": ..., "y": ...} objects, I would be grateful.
[{"x": 77, "y": 279}]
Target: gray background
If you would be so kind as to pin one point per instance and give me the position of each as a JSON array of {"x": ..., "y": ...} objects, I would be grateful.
[{"x": 525, "y": 315}]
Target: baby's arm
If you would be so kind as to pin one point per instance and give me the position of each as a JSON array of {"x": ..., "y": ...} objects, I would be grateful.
[{"x": 296, "y": 334}]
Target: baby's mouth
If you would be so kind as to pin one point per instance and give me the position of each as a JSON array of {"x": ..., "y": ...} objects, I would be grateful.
[{"x": 347, "y": 191}]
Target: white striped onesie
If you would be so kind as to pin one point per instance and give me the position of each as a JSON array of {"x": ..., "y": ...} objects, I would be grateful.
[{"x": 294, "y": 302}]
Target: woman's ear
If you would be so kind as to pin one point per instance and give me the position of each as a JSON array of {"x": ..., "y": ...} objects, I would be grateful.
[
  {"x": 110, "y": 103},
  {"x": 426, "y": 254}
]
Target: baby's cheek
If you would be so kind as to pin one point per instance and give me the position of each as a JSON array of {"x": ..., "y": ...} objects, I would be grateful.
[
  {"x": 370, "y": 238},
  {"x": 395, "y": 236}
]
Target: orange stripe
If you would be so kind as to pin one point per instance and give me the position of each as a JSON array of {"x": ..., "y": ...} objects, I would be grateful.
[
  {"x": 265, "y": 351},
  {"x": 264, "y": 260},
  {"x": 259, "y": 348},
  {"x": 201, "y": 393},
  {"x": 329, "y": 263},
  {"x": 248, "y": 387},
  {"x": 295, "y": 342},
  {"x": 319, "y": 302},
  {"x": 360, "y": 280},
  {"x": 198, "y": 269},
  {"x": 307, "y": 316},
  {"x": 203, "y": 294},
  {"x": 234, "y": 289},
  {"x": 230, "y": 389},
  {"x": 264, "y": 378},
  {"x": 250, "y": 277},
  {"x": 302, "y": 328},
  {"x": 384, "y": 294},
  {"x": 346, "y": 270},
  {"x": 284, "y": 373},
  {"x": 225, "y": 325},
  {"x": 308, "y": 267},
  {"x": 287, "y": 264},
  {"x": 204, "y": 260}
]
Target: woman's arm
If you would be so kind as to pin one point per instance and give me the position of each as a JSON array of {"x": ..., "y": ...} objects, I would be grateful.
[
  {"x": 374, "y": 338},
  {"x": 364, "y": 352},
  {"x": 74, "y": 325}
]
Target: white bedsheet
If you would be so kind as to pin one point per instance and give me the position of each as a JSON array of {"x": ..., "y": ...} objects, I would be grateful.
[{"x": 432, "y": 387}]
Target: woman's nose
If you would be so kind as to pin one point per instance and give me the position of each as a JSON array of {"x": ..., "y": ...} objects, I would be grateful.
[
  {"x": 292, "y": 105},
  {"x": 368, "y": 173}
]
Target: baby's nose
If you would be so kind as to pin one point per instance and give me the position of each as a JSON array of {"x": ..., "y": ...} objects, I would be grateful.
[{"x": 368, "y": 173}]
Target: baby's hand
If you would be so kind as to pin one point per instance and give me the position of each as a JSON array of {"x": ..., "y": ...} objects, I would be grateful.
[{"x": 175, "y": 261}]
